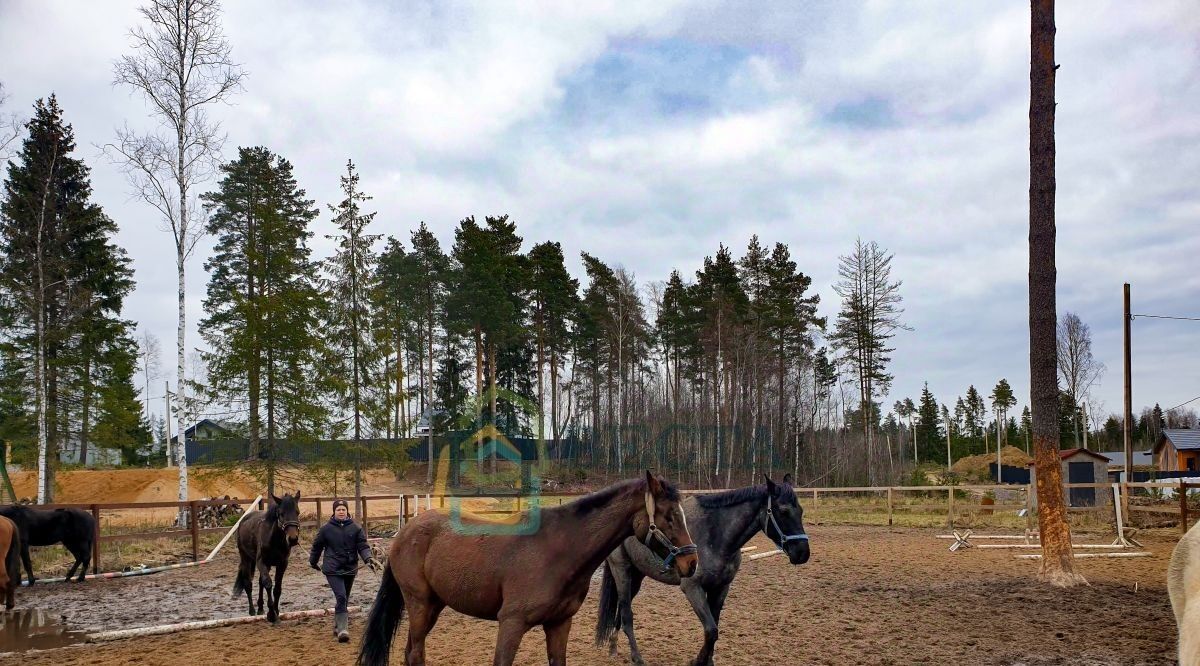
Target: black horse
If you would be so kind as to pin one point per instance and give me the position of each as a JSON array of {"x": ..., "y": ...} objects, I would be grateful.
[
  {"x": 75, "y": 529},
  {"x": 720, "y": 524},
  {"x": 265, "y": 539}
]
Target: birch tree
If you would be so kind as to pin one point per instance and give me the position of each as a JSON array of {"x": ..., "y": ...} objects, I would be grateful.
[{"x": 181, "y": 63}]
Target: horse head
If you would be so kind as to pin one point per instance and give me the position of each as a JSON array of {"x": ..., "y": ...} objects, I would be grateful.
[
  {"x": 783, "y": 521},
  {"x": 287, "y": 516},
  {"x": 663, "y": 527}
]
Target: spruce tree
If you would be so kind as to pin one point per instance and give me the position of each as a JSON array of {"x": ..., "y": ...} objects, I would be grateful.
[
  {"x": 351, "y": 280},
  {"x": 930, "y": 437},
  {"x": 62, "y": 286}
]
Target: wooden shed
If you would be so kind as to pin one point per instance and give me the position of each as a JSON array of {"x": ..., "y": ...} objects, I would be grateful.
[
  {"x": 1177, "y": 450},
  {"x": 1081, "y": 466}
]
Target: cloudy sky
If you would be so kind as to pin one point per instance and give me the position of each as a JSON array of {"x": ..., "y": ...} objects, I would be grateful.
[{"x": 648, "y": 133}]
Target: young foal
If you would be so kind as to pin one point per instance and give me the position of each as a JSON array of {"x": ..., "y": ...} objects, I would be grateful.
[
  {"x": 265, "y": 539},
  {"x": 722, "y": 523},
  {"x": 10, "y": 564},
  {"x": 1183, "y": 584},
  {"x": 520, "y": 580}
]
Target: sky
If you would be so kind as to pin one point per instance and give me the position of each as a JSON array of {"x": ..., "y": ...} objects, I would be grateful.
[{"x": 649, "y": 133}]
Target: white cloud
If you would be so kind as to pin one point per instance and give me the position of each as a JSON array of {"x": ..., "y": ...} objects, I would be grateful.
[{"x": 811, "y": 123}]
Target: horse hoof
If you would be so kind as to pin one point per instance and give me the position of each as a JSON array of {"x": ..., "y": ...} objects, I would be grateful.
[{"x": 344, "y": 637}]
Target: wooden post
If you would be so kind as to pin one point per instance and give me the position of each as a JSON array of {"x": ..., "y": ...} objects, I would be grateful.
[
  {"x": 1127, "y": 476},
  {"x": 195, "y": 531},
  {"x": 96, "y": 541},
  {"x": 364, "y": 515},
  {"x": 950, "y": 507},
  {"x": 889, "y": 500},
  {"x": 319, "y": 514},
  {"x": 1183, "y": 508}
]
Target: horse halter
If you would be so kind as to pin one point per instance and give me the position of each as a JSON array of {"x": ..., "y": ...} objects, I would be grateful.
[
  {"x": 769, "y": 520},
  {"x": 673, "y": 551}
]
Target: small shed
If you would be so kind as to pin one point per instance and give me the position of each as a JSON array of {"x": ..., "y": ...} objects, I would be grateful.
[
  {"x": 1177, "y": 450},
  {"x": 1081, "y": 466}
]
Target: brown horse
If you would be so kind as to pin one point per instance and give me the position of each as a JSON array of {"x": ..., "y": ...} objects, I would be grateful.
[
  {"x": 522, "y": 581},
  {"x": 10, "y": 561}
]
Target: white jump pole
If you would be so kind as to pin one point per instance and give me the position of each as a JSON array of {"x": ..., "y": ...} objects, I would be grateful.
[
  {"x": 1034, "y": 545},
  {"x": 233, "y": 529},
  {"x": 428, "y": 502},
  {"x": 1079, "y": 555},
  {"x": 749, "y": 548},
  {"x": 121, "y": 574},
  {"x": 769, "y": 553},
  {"x": 206, "y": 624},
  {"x": 988, "y": 536}
]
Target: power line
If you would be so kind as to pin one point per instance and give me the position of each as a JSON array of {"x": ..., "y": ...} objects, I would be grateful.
[
  {"x": 1135, "y": 316},
  {"x": 1183, "y": 403}
]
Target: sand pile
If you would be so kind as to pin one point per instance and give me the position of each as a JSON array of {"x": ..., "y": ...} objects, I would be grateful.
[{"x": 977, "y": 466}]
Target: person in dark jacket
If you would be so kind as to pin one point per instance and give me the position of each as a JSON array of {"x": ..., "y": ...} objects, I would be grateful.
[{"x": 342, "y": 542}]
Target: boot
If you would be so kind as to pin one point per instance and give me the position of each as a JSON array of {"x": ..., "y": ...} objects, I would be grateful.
[{"x": 341, "y": 622}]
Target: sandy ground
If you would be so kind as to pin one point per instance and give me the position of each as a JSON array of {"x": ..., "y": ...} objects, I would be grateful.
[{"x": 869, "y": 595}]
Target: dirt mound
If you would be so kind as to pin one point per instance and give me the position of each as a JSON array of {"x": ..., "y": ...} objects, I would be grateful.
[
  {"x": 977, "y": 466},
  {"x": 128, "y": 485}
]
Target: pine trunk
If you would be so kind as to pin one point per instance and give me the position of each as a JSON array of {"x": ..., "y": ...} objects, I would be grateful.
[{"x": 1058, "y": 567}]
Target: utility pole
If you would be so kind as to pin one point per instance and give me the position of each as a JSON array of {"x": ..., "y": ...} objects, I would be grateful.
[{"x": 1128, "y": 429}]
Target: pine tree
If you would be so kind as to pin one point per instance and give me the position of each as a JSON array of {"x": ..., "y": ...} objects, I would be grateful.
[
  {"x": 555, "y": 299},
  {"x": 869, "y": 317},
  {"x": 261, "y": 306},
  {"x": 1002, "y": 400}
]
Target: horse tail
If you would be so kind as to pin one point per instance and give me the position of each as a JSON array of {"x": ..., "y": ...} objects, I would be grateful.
[
  {"x": 241, "y": 583},
  {"x": 608, "y": 618},
  {"x": 381, "y": 624}
]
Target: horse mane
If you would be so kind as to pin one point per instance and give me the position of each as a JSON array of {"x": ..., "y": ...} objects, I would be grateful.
[
  {"x": 272, "y": 512},
  {"x": 739, "y": 495},
  {"x": 604, "y": 496}
]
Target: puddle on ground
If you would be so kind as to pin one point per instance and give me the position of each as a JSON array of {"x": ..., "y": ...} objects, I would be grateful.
[{"x": 35, "y": 629}]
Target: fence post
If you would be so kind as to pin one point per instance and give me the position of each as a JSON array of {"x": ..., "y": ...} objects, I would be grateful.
[
  {"x": 889, "y": 505},
  {"x": 96, "y": 541},
  {"x": 950, "y": 507},
  {"x": 195, "y": 531},
  {"x": 364, "y": 515},
  {"x": 319, "y": 514},
  {"x": 1183, "y": 508}
]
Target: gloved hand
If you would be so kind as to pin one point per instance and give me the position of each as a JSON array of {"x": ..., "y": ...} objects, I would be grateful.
[{"x": 372, "y": 564}]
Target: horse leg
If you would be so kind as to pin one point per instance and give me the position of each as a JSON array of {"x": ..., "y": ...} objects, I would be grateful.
[
  {"x": 422, "y": 615},
  {"x": 512, "y": 629},
  {"x": 246, "y": 574},
  {"x": 273, "y": 614},
  {"x": 628, "y": 589},
  {"x": 697, "y": 596},
  {"x": 556, "y": 642},
  {"x": 25, "y": 559},
  {"x": 264, "y": 583}
]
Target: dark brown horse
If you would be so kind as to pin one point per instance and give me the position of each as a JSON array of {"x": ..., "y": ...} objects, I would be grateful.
[
  {"x": 522, "y": 581},
  {"x": 10, "y": 561},
  {"x": 265, "y": 540}
]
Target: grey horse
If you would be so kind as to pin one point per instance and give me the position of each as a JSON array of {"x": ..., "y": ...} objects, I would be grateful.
[{"x": 720, "y": 524}]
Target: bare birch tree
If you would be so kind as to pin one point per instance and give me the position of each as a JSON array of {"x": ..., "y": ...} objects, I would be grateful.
[
  {"x": 180, "y": 64},
  {"x": 1078, "y": 368},
  {"x": 10, "y": 129}
]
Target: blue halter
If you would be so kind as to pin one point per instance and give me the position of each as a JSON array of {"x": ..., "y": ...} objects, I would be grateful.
[{"x": 769, "y": 520}]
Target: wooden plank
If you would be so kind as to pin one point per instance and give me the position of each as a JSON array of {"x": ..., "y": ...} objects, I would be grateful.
[
  {"x": 1081, "y": 555},
  {"x": 1173, "y": 510}
]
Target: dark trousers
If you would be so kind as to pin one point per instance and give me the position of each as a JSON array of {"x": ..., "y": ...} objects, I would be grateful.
[{"x": 341, "y": 590}]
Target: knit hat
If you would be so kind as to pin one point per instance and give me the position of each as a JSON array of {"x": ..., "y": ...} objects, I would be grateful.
[{"x": 337, "y": 503}]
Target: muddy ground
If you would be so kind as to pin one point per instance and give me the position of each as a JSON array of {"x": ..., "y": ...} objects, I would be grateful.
[{"x": 869, "y": 595}]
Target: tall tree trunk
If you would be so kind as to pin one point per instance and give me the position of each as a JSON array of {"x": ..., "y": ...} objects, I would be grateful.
[
  {"x": 85, "y": 407},
  {"x": 181, "y": 243},
  {"x": 429, "y": 386},
  {"x": 492, "y": 394},
  {"x": 1058, "y": 566}
]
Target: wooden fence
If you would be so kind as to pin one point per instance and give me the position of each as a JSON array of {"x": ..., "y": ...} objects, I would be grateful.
[{"x": 814, "y": 501}]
